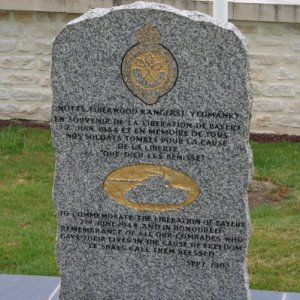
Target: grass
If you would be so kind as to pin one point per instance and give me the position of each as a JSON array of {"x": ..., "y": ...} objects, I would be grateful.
[
  {"x": 274, "y": 252},
  {"x": 28, "y": 222},
  {"x": 27, "y": 218}
]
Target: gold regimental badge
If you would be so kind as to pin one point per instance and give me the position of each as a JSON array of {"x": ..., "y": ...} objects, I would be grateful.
[
  {"x": 122, "y": 181},
  {"x": 149, "y": 69}
]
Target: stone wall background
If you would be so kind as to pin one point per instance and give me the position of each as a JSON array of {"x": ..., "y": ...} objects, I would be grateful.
[{"x": 25, "y": 62}]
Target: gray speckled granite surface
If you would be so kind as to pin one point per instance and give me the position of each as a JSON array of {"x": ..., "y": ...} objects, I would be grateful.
[
  {"x": 109, "y": 248},
  {"x": 28, "y": 287}
]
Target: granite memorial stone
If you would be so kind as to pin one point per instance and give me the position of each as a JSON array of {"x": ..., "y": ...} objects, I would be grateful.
[{"x": 150, "y": 122}]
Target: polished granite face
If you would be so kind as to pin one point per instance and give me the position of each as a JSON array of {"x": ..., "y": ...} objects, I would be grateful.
[{"x": 150, "y": 123}]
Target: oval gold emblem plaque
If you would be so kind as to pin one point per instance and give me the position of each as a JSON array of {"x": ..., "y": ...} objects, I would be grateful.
[
  {"x": 123, "y": 180},
  {"x": 149, "y": 69}
]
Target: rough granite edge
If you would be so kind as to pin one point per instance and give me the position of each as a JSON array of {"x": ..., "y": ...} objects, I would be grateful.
[{"x": 193, "y": 15}]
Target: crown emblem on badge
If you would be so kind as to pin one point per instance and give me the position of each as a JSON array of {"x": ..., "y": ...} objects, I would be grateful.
[{"x": 149, "y": 69}]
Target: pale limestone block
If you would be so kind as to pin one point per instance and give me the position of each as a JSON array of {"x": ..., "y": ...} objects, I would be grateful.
[
  {"x": 42, "y": 47},
  {"x": 66, "y": 18},
  {"x": 245, "y": 12},
  {"x": 271, "y": 29},
  {"x": 287, "y": 13},
  {"x": 264, "y": 59},
  {"x": 263, "y": 121},
  {"x": 267, "y": 106},
  {"x": 279, "y": 90},
  {"x": 257, "y": 89},
  {"x": 25, "y": 45},
  {"x": 247, "y": 29},
  {"x": 45, "y": 82},
  {"x": 46, "y": 112},
  {"x": 257, "y": 73},
  {"x": 266, "y": 12},
  {"x": 269, "y": 42},
  {"x": 7, "y": 45},
  {"x": 41, "y": 113},
  {"x": 294, "y": 107},
  {"x": 45, "y": 17},
  {"x": 32, "y": 95},
  {"x": 18, "y": 79},
  {"x": 295, "y": 46},
  {"x": 291, "y": 59},
  {"x": 265, "y": 131},
  {"x": 27, "y": 110},
  {"x": 24, "y": 16},
  {"x": 4, "y": 15},
  {"x": 9, "y": 29},
  {"x": 42, "y": 32},
  {"x": 288, "y": 121},
  {"x": 4, "y": 94},
  {"x": 17, "y": 62},
  {"x": 8, "y": 109},
  {"x": 44, "y": 64},
  {"x": 292, "y": 28},
  {"x": 31, "y": 112},
  {"x": 284, "y": 74},
  {"x": 60, "y": 16}
]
